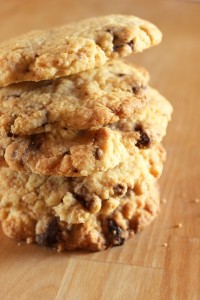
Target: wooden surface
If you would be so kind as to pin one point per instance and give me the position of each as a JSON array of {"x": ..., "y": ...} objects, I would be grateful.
[{"x": 143, "y": 268}]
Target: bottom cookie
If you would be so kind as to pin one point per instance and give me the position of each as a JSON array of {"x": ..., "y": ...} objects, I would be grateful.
[{"x": 98, "y": 233}]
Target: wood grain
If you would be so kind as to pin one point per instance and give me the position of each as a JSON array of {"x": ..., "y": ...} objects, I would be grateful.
[{"x": 143, "y": 268}]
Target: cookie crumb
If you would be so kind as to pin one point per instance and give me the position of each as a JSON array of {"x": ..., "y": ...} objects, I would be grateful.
[
  {"x": 164, "y": 245},
  {"x": 179, "y": 225},
  {"x": 19, "y": 244},
  {"x": 197, "y": 200},
  {"x": 163, "y": 201},
  {"x": 29, "y": 240},
  {"x": 74, "y": 170}
]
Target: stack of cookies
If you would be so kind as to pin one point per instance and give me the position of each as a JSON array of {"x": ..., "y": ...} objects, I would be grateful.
[{"x": 80, "y": 134}]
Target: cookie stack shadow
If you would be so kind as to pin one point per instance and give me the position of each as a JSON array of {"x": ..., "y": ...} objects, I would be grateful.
[{"x": 80, "y": 135}]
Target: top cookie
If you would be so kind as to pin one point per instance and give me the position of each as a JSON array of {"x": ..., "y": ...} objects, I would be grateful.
[{"x": 48, "y": 54}]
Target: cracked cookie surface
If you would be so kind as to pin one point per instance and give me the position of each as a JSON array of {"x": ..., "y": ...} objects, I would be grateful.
[
  {"x": 74, "y": 200},
  {"x": 150, "y": 122},
  {"x": 69, "y": 153},
  {"x": 98, "y": 233},
  {"x": 92, "y": 98},
  {"x": 48, "y": 54}
]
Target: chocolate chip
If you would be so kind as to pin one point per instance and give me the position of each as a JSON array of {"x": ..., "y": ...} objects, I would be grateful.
[
  {"x": 138, "y": 127},
  {"x": 113, "y": 228},
  {"x": 66, "y": 152},
  {"x": 116, "y": 43},
  {"x": 9, "y": 133},
  {"x": 131, "y": 44},
  {"x": 35, "y": 143},
  {"x": 51, "y": 234},
  {"x": 114, "y": 238},
  {"x": 136, "y": 89},
  {"x": 74, "y": 170},
  {"x": 109, "y": 30},
  {"x": 119, "y": 189},
  {"x": 121, "y": 74},
  {"x": 80, "y": 199},
  {"x": 84, "y": 203},
  {"x": 115, "y": 38},
  {"x": 89, "y": 204},
  {"x": 98, "y": 153},
  {"x": 143, "y": 141}
]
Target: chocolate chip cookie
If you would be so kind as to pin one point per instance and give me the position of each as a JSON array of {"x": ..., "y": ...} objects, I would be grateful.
[
  {"x": 92, "y": 98},
  {"x": 74, "y": 200},
  {"x": 69, "y": 153},
  {"x": 82, "y": 152},
  {"x": 70, "y": 49},
  {"x": 97, "y": 233}
]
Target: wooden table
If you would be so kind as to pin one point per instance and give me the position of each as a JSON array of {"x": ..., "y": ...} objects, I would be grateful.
[{"x": 143, "y": 268}]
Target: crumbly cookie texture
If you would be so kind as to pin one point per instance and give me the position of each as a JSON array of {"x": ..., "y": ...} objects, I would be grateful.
[
  {"x": 150, "y": 122},
  {"x": 48, "y": 54},
  {"x": 79, "y": 153},
  {"x": 92, "y": 98},
  {"x": 74, "y": 200},
  {"x": 69, "y": 153},
  {"x": 97, "y": 233}
]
